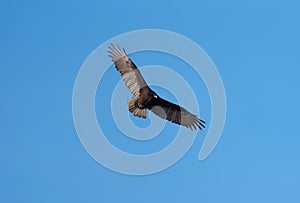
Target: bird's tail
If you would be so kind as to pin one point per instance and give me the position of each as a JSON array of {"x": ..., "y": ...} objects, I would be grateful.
[
  {"x": 131, "y": 104},
  {"x": 135, "y": 110}
]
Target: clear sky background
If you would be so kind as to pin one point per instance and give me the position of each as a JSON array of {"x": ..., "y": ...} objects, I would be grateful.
[{"x": 255, "y": 46}]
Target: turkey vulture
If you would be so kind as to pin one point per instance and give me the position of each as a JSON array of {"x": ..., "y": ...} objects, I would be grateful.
[{"x": 146, "y": 98}]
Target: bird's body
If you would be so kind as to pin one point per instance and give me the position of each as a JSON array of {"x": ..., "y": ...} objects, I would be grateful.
[
  {"x": 146, "y": 98},
  {"x": 139, "y": 105}
]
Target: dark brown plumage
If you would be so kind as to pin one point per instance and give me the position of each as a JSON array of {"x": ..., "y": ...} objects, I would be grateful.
[{"x": 145, "y": 98}]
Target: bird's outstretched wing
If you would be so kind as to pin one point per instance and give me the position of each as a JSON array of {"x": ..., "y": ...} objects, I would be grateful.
[
  {"x": 176, "y": 114},
  {"x": 132, "y": 77}
]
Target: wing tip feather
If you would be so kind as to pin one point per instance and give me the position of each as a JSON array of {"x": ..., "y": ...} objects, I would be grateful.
[{"x": 115, "y": 52}]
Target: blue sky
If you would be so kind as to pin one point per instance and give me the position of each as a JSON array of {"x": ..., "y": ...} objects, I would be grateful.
[{"x": 255, "y": 46}]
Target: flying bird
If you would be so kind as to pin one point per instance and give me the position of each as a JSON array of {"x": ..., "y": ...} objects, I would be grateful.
[{"x": 145, "y": 98}]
